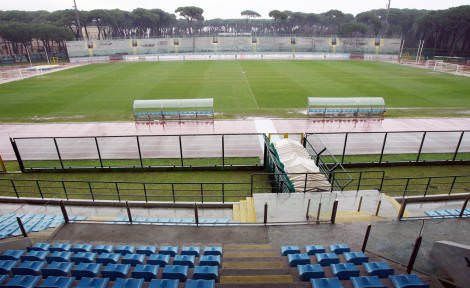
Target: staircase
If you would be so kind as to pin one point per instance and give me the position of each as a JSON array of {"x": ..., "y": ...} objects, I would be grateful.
[{"x": 244, "y": 211}]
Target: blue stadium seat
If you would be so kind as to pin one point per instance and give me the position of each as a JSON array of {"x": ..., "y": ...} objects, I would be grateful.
[
  {"x": 357, "y": 258},
  {"x": 59, "y": 256},
  {"x": 314, "y": 249},
  {"x": 103, "y": 249},
  {"x": 146, "y": 250},
  {"x": 133, "y": 259},
  {"x": 81, "y": 248},
  {"x": 89, "y": 282},
  {"x": 175, "y": 272},
  {"x": 160, "y": 259},
  {"x": 164, "y": 283},
  {"x": 367, "y": 281},
  {"x": 206, "y": 273},
  {"x": 7, "y": 265},
  {"x": 128, "y": 283},
  {"x": 325, "y": 259},
  {"x": 209, "y": 260},
  {"x": 168, "y": 250},
  {"x": 339, "y": 248},
  {"x": 40, "y": 247},
  {"x": 200, "y": 284},
  {"x": 191, "y": 250},
  {"x": 326, "y": 283},
  {"x": 22, "y": 281},
  {"x": 309, "y": 271},
  {"x": 408, "y": 281},
  {"x": 86, "y": 270},
  {"x": 29, "y": 268},
  {"x": 298, "y": 259},
  {"x": 60, "y": 247},
  {"x": 12, "y": 254},
  {"x": 83, "y": 257},
  {"x": 113, "y": 271},
  {"x": 286, "y": 250},
  {"x": 57, "y": 282},
  {"x": 3, "y": 278},
  {"x": 108, "y": 258},
  {"x": 35, "y": 255},
  {"x": 186, "y": 260},
  {"x": 124, "y": 249},
  {"x": 213, "y": 250},
  {"x": 57, "y": 269},
  {"x": 344, "y": 271},
  {"x": 147, "y": 272},
  {"x": 379, "y": 269}
]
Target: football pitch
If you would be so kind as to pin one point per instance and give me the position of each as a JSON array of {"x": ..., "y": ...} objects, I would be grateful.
[{"x": 100, "y": 92}]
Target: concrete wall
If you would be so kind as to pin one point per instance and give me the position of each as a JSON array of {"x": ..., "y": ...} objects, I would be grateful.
[{"x": 449, "y": 262}]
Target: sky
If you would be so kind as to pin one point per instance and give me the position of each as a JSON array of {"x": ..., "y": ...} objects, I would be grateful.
[{"x": 232, "y": 9}]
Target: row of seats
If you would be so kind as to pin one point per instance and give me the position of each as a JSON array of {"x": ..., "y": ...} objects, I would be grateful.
[
  {"x": 346, "y": 110},
  {"x": 175, "y": 113},
  {"x": 399, "y": 281},
  {"x": 28, "y": 281},
  {"x": 448, "y": 213}
]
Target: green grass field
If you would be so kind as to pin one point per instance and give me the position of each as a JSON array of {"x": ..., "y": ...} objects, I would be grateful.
[{"x": 240, "y": 88}]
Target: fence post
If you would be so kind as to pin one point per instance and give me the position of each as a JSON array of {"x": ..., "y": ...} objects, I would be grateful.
[
  {"x": 223, "y": 192},
  {"x": 464, "y": 206},
  {"x": 333, "y": 212},
  {"x": 65, "y": 190},
  {"x": 145, "y": 192},
  {"x": 458, "y": 146},
  {"x": 378, "y": 208},
  {"x": 421, "y": 146},
  {"x": 99, "y": 152},
  {"x": 23, "y": 231},
  {"x": 14, "y": 188},
  {"x": 58, "y": 153},
  {"x": 382, "y": 181},
  {"x": 383, "y": 148},
  {"x": 359, "y": 181},
  {"x": 427, "y": 186},
  {"x": 129, "y": 215},
  {"x": 265, "y": 213},
  {"x": 344, "y": 147},
  {"x": 116, "y": 184},
  {"x": 332, "y": 181},
  {"x": 318, "y": 213},
  {"x": 173, "y": 192},
  {"x": 308, "y": 209},
  {"x": 91, "y": 191},
  {"x": 196, "y": 215},
  {"x": 402, "y": 209},
  {"x": 406, "y": 186},
  {"x": 181, "y": 151},
  {"x": 140, "y": 153},
  {"x": 452, "y": 186},
  {"x": 4, "y": 169},
  {"x": 202, "y": 194},
  {"x": 305, "y": 184},
  {"x": 366, "y": 238},
  {"x": 414, "y": 254},
  {"x": 223, "y": 151},
  {"x": 17, "y": 154},
  {"x": 251, "y": 186},
  {"x": 360, "y": 204},
  {"x": 64, "y": 212},
  {"x": 39, "y": 189}
]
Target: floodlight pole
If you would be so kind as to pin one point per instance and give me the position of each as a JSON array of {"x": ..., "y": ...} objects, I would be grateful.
[{"x": 77, "y": 19}]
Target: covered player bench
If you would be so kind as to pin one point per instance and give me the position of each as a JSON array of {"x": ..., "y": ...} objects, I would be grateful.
[
  {"x": 346, "y": 107},
  {"x": 173, "y": 109}
]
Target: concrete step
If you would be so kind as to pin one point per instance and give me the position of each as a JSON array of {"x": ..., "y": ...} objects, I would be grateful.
[
  {"x": 247, "y": 246},
  {"x": 256, "y": 279},
  {"x": 236, "y": 212},
  {"x": 253, "y": 265},
  {"x": 263, "y": 254},
  {"x": 243, "y": 211},
  {"x": 264, "y": 285}
]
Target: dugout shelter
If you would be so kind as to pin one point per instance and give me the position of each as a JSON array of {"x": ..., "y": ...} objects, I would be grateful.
[
  {"x": 346, "y": 107},
  {"x": 173, "y": 109}
]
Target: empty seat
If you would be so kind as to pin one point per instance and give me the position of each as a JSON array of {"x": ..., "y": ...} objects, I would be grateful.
[
  {"x": 83, "y": 257},
  {"x": 168, "y": 250},
  {"x": 379, "y": 269},
  {"x": 60, "y": 247},
  {"x": 298, "y": 259},
  {"x": 103, "y": 249},
  {"x": 200, "y": 284},
  {"x": 81, "y": 248},
  {"x": 407, "y": 281},
  {"x": 326, "y": 283},
  {"x": 7, "y": 265},
  {"x": 29, "y": 268},
  {"x": 128, "y": 283},
  {"x": 57, "y": 282},
  {"x": 113, "y": 271},
  {"x": 35, "y": 255},
  {"x": 175, "y": 272},
  {"x": 206, "y": 272},
  {"x": 339, "y": 248},
  {"x": 108, "y": 258},
  {"x": 186, "y": 260},
  {"x": 213, "y": 250},
  {"x": 209, "y": 260},
  {"x": 3, "y": 278},
  {"x": 86, "y": 270},
  {"x": 344, "y": 271},
  {"x": 146, "y": 250},
  {"x": 164, "y": 283},
  {"x": 12, "y": 254},
  {"x": 124, "y": 249},
  {"x": 23, "y": 281},
  {"x": 160, "y": 259},
  {"x": 133, "y": 259},
  {"x": 367, "y": 281},
  {"x": 286, "y": 250},
  {"x": 147, "y": 272},
  {"x": 326, "y": 259},
  {"x": 40, "y": 247},
  {"x": 314, "y": 249},
  {"x": 357, "y": 258},
  {"x": 59, "y": 256},
  {"x": 88, "y": 282},
  {"x": 57, "y": 269},
  {"x": 191, "y": 250},
  {"x": 309, "y": 271}
]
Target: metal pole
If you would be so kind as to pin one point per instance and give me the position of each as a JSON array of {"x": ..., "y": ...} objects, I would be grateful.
[
  {"x": 366, "y": 238},
  {"x": 39, "y": 189},
  {"x": 64, "y": 212},
  {"x": 452, "y": 186},
  {"x": 140, "y": 154},
  {"x": 427, "y": 186},
  {"x": 464, "y": 206},
  {"x": 129, "y": 215},
  {"x": 251, "y": 186},
  {"x": 65, "y": 190},
  {"x": 406, "y": 186},
  {"x": 265, "y": 213},
  {"x": 223, "y": 151},
  {"x": 14, "y": 188},
  {"x": 173, "y": 192},
  {"x": 17, "y": 154},
  {"x": 318, "y": 212},
  {"x": 332, "y": 182},
  {"x": 360, "y": 204},
  {"x": 196, "y": 214},
  {"x": 378, "y": 208},
  {"x": 305, "y": 184},
  {"x": 308, "y": 209},
  {"x": 458, "y": 146},
  {"x": 58, "y": 153},
  {"x": 117, "y": 191},
  {"x": 145, "y": 193},
  {"x": 344, "y": 147},
  {"x": 91, "y": 191},
  {"x": 382, "y": 181},
  {"x": 4, "y": 169},
  {"x": 47, "y": 56},
  {"x": 421, "y": 147},
  {"x": 383, "y": 148},
  {"x": 99, "y": 152},
  {"x": 23, "y": 231},
  {"x": 359, "y": 181},
  {"x": 414, "y": 254},
  {"x": 202, "y": 194},
  {"x": 181, "y": 152},
  {"x": 333, "y": 212},
  {"x": 402, "y": 209}
]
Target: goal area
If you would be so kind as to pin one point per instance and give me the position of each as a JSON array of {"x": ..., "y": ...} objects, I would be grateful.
[
  {"x": 173, "y": 109},
  {"x": 345, "y": 107}
]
